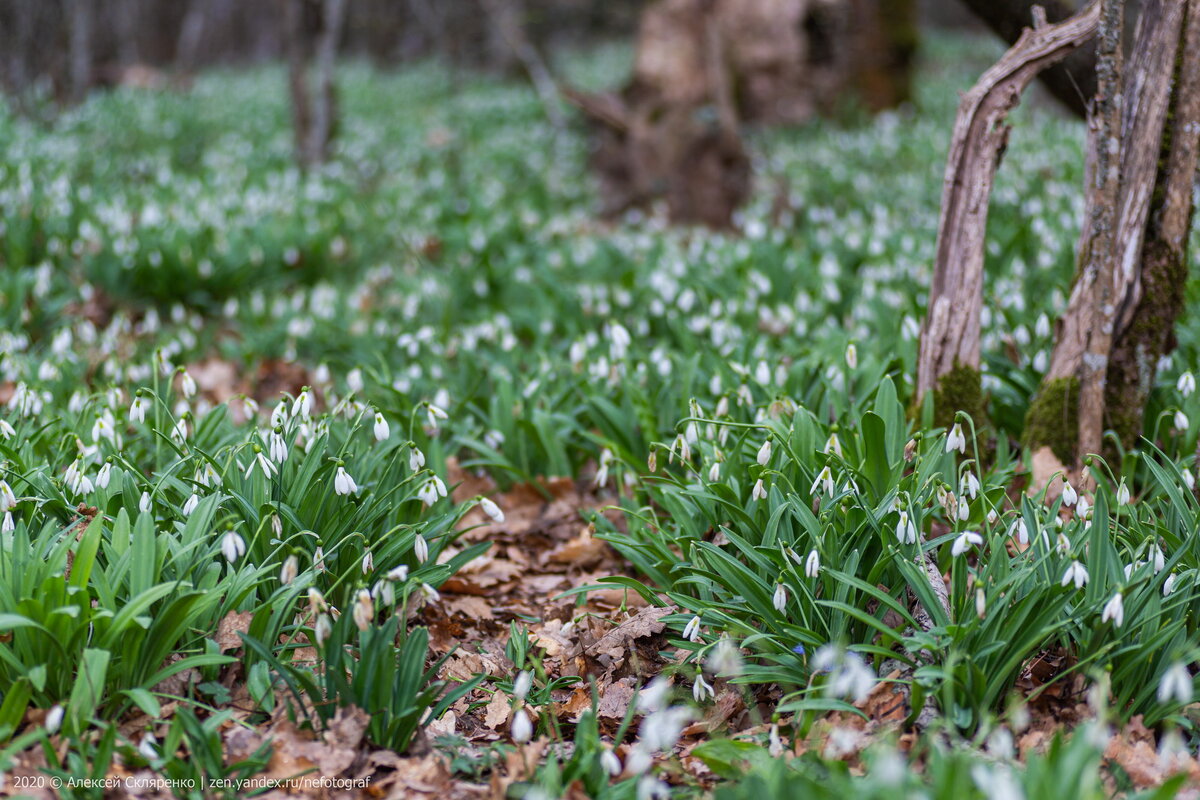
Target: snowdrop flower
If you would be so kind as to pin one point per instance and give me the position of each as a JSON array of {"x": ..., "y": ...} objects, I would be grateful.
[
  {"x": 265, "y": 465},
  {"x": 906, "y": 532},
  {"x": 980, "y": 602},
  {"x": 774, "y": 743},
  {"x": 343, "y": 484},
  {"x": 1069, "y": 495},
  {"x": 1158, "y": 559},
  {"x": 764, "y": 453},
  {"x": 6, "y": 430},
  {"x": 1075, "y": 573},
  {"x": 492, "y": 510},
  {"x": 431, "y": 490},
  {"x": 691, "y": 631},
  {"x": 1186, "y": 384},
  {"x": 368, "y": 563},
  {"x": 302, "y": 406},
  {"x": 714, "y": 472},
  {"x": 137, "y": 411},
  {"x": 726, "y": 659},
  {"x": 1019, "y": 529},
  {"x": 701, "y": 689},
  {"x": 1122, "y": 494},
  {"x": 290, "y": 569},
  {"x": 54, "y": 718},
  {"x": 148, "y": 747},
  {"x": 277, "y": 447},
  {"x": 522, "y": 728},
  {"x": 1176, "y": 684},
  {"x": 316, "y": 600},
  {"x": 964, "y": 541},
  {"x": 969, "y": 485},
  {"x": 759, "y": 492},
  {"x": 992, "y": 516},
  {"x": 1181, "y": 421},
  {"x": 433, "y": 414},
  {"x": 618, "y": 340},
  {"x": 382, "y": 431},
  {"x": 8, "y": 500},
  {"x": 190, "y": 504},
  {"x": 824, "y": 481},
  {"x": 1188, "y": 479},
  {"x": 964, "y": 511},
  {"x": 852, "y": 356},
  {"x": 850, "y": 677},
  {"x": 956, "y": 440},
  {"x": 364, "y": 609},
  {"x": 654, "y": 695},
  {"x": 1169, "y": 584},
  {"x": 249, "y": 407},
  {"x": 421, "y": 549},
  {"x": 233, "y": 546},
  {"x": 812, "y": 566},
  {"x": 610, "y": 762},
  {"x": 834, "y": 445},
  {"x": 145, "y": 504},
  {"x": 323, "y": 629},
  {"x": 1082, "y": 508},
  {"x": 1114, "y": 610},
  {"x": 187, "y": 383},
  {"x": 398, "y": 574},
  {"x": 522, "y": 684},
  {"x": 104, "y": 476},
  {"x": 7, "y": 523},
  {"x": 780, "y": 599},
  {"x": 652, "y": 788},
  {"x": 416, "y": 459}
]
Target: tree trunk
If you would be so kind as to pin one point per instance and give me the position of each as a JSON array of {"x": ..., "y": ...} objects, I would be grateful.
[
  {"x": 948, "y": 364},
  {"x": 296, "y": 51},
  {"x": 80, "y": 34},
  {"x": 1073, "y": 81},
  {"x": 191, "y": 34},
  {"x": 324, "y": 118}
]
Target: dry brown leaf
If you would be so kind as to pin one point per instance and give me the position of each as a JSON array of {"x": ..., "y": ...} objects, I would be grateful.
[
  {"x": 646, "y": 622},
  {"x": 581, "y": 551},
  {"x": 497, "y": 711},
  {"x": 615, "y": 699},
  {"x": 230, "y": 626}
]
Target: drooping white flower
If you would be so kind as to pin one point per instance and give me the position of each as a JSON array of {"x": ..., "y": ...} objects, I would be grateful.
[
  {"x": 364, "y": 609},
  {"x": 382, "y": 431},
  {"x": 1181, "y": 421},
  {"x": 1158, "y": 559},
  {"x": 7, "y": 431},
  {"x": 780, "y": 599},
  {"x": 1069, "y": 495},
  {"x": 323, "y": 629},
  {"x": 906, "y": 532},
  {"x": 187, "y": 383},
  {"x": 701, "y": 689},
  {"x": 714, "y": 472},
  {"x": 691, "y": 631},
  {"x": 764, "y": 453},
  {"x": 145, "y": 504},
  {"x": 277, "y": 447},
  {"x": 1186, "y": 384},
  {"x": 8, "y": 500},
  {"x": 289, "y": 570},
  {"x": 1114, "y": 610},
  {"x": 421, "y": 549},
  {"x": 368, "y": 563},
  {"x": 1019, "y": 529},
  {"x": 964, "y": 541},
  {"x": 834, "y": 445},
  {"x": 398, "y": 574},
  {"x": 759, "y": 492},
  {"x": 233, "y": 546},
  {"x": 148, "y": 748},
  {"x": 522, "y": 728},
  {"x": 343, "y": 484},
  {"x": 852, "y": 356},
  {"x": 301, "y": 406},
  {"x": 610, "y": 762},
  {"x": 1176, "y": 684},
  {"x": 812, "y": 566},
  {"x": 824, "y": 481},
  {"x": 54, "y": 718},
  {"x": 492, "y": 510},
  {"x": 1189, "y": 480},
  {"x": 1169, "y": 584},
  {"x": 1122, "y": 494},
  {"x": 1082, "y": 508},
  {"x": 956, "y": 440},
  {"x": 416, "y": 459},
  {"x": 980, "y": 602},
  {"x": 726, "y": 659},
  {"x": 137, "y": 410},
  {"x": 7, "y": 523},
  {"x": 1076, "y": 573},
  {"x": 433, "y": 414},
  {"x": 264, "y": 464},
  {"x": 969, "y": 485},
  {"x": 431, "y": 490},
  {"x": 190, "y": 504},
  {"x": 522, "y": 684}
]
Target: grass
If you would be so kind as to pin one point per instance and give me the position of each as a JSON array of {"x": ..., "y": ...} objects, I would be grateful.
[{"x": 444, "y": 275}]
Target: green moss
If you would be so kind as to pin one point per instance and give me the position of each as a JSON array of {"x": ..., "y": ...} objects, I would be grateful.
[
  {"x": 1053, "y": 419},
  {"x": 960, "y": 389}
]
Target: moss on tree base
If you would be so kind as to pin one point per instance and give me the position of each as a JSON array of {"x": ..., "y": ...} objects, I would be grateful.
[
  {"x": 960, "y": 389},
  {"x": 1053, "y": 419}
]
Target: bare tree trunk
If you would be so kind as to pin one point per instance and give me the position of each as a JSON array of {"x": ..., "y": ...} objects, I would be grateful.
[
  {"x": 126, "y": 24},
  {"x": 1073, "y": 81},
  {"x": 80, "y": 25},
  {"x": 191, "y": 34},
  {"x": 506, "y": 18},
  {"x": 948, "y": 364},
  {"x": 296, "y": 51},
  {"x": 324, "y": 118}
]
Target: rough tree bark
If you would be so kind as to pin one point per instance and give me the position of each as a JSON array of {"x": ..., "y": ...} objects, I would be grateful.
[
  {"x": 80, "y": 48},
  {"x": 1110, "y": 311},
  {"x": 314, "y": 109},
  {"x": 1073, "y": 80},
  {"x": 948, "y": 364}
]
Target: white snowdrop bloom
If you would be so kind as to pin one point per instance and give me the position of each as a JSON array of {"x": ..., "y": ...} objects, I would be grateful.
[
  {"x": 969, "y": 485},
  {"x": 368, "y": 563},
  {"x": 6, "y": 430},
  {"x": 780, "y": 599},
  {"x": 398, "y": 574},
  {"x": 774, "y": 743},
  {"x": 834, "y": 445},
  {"x": 343, "y": 484},
  {"x": 190, "y": 504},
  {"x": 618, "y": 341},
  {"x": 179, "y": 431},
  {"x": 264, "y": 464},
  {"x": 492, "y": 510},
  {"x": 956, "y": 440},
  {"x": 522, "y": 684},
  {"x": 610, "y": 762},
  {"x": 759, "y": 492},
  {"x": 691, "y": 631},
  {"x": 1020, "y": 530},
  {"x": 7, "y": 523},
  {"x": 1069, "y": 495},
  {"x": 1186, "y": 384},
  {"x": 381, "y": 430},
  {"x": 145, "y": 504},
  {"x": 1158, "y": 559},
  {"x": 1181, "y": 421},
  {"x": 906, "y": 532},
  {"x": 824, "y": 481},
  {"x": 701, "y": 689},
  {"x": 852, "y": 356},
  {"x": 1077, "y": 574},
  {"x": 54, "y": 718},
  {"x": 964, "y": 511},
  {"x": 725, "y": 659},
  {"x": 416, "y": 459},
  {"x": 323, "y": 629},
  {"x": 137, "y": 410},
  {"x": 302, "y": 405},
  {"x": 1169, "y": 584},
  {"x": 964, "y": 541},
  {"x": 354, "y": 380},
  {"x": 148, "y": 748},
  {"x": 187, "y": 383},
  {"x": 1064, "y": 543},
  {"x": 1114, "y": 610},
  {"x": 250, "y": 407},
  {"x": 1122, "y": 494},
  {"x": 433, "y": 414},
  {"x": 364, "y": 609},
  {"x": 652, "y": 788},
  {"x": 1189, "y": 480},
  {"x": 1082, "y": 508},
  {"x": 104, "y": 476},
  {"x": 8, "y": 500},
  {"x": 992, "y": 516},
  {"x": 1042, "y": 327},
  {"x": 1176, "y": 684},
  {"x": 277, "y": 447},
  {"x": 714, "y": 472},
  {"x": 233, "y": 546},
  {"x": 429, "y": 593},
  {"x": 431, "y": 490},
  {"x": 316, "y": 600},
  {"x": 279, "y": 415},
  {"x": 384, "y": 592},
  {"x": 421, "y": 548},
  {"x": 764, "y": 453},
  {"x": 980, "y": 602},
  {"x": 850, "y": 678},
  {"x": 812, "y": 566},
  {"x": 654, "y": 695},
  {"x": 289, "y": 570}
]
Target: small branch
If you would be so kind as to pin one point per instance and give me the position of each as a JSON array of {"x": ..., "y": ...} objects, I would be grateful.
[{"x": 535, "y": 66}]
